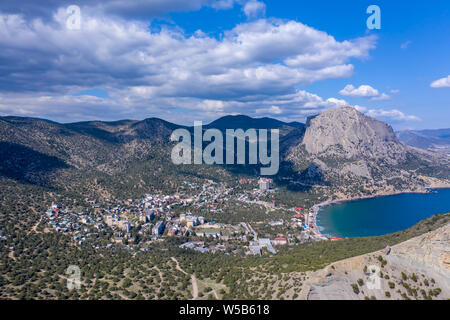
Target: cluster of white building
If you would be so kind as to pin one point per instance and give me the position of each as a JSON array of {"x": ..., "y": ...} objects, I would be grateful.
[
  {"x": 158, "y": 228},
  {"x": 264, "y": 184},
  {"x": 191, "y": 220},
  {"x": 114, "y": 220}
]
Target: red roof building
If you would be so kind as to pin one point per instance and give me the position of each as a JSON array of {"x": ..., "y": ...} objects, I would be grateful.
[{"x": 277, "y": 241}]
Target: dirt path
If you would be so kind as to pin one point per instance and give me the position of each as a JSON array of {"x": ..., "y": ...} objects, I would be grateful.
[
  {"x": 35, "y": 226},
  {"x": 215, "y": 294},
  {"x": 193, "y": 280},
  {"x": 194, "y": 287},
  {"x": 160, "y": 273},
  {"x": 11, "y": 255},
  {"x": 33, "y": 229},
  {"x": 178, "y": 265}
]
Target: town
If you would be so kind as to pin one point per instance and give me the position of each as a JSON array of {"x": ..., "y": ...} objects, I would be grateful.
[{"x": 191, "y": 217}]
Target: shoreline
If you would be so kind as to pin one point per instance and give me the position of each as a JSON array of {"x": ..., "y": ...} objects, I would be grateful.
[{"x": 315, "y": 208}]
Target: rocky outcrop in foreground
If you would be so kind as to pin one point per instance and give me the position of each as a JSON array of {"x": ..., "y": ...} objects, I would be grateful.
[{"x": 415, "y": 269}]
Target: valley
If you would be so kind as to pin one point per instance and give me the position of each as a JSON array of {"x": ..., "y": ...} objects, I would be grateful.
[{"x": 106, "y": 197}]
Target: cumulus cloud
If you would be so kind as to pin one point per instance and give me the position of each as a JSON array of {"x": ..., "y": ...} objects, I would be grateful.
[
  {"x": 256, "y": 65},
  {"x": 62, "y": 108},
  {"x": 136, "y": 9},
  {"x": 117, "y": 53},
  {"x": 364, "y": 91},
  {"x": 393, "y": 114},
  {"x": 289, "y": 107},
  {"x": 254, "y": 9},
  {"x": 382, "y": 96},
  {"x": 360, "y": 108},
  {"x": 441, "y": 83},
  {"x": 386, "y": 115},
  {"x": 274, "y": 110}
]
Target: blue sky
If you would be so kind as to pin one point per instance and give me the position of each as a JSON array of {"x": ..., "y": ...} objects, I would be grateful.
[{"x": 198, "y": 60}]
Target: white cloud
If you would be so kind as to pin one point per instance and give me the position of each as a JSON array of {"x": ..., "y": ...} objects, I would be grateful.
[
  {"x": 254, "y": 9},
  {"x": 381, "y": 97},
  {"x": 152, "y": 8},
  {"x": 274, "y": 110},
  {"x": 362, "y": 91},
  {"x": 360, "y": 108},
  {"x": 386, "y": 115},
  {"x": 136, "y": 9},
  {"x": 253, "y": 66},
  {"x": 441, "y": 83},
  {"x": 394, "y": 91},
  {"x": 392, "y": 114},
  {"x": 62, "y": 108},
  {"x": 138, "y": 104},
  {"x": 245, "y": 59},
  {"x": 336, "y": 102},
  {"x": 290, "y": 107}
]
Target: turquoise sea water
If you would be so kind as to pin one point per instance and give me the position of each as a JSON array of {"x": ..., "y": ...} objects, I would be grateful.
[{"x": 381, "y": 215}]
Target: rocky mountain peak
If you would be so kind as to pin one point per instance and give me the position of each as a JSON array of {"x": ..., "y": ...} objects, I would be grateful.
[{"x": 348, "y": 133}]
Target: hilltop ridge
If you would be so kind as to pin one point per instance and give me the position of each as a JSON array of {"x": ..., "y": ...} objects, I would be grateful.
[{"x": 340, "y": 150}]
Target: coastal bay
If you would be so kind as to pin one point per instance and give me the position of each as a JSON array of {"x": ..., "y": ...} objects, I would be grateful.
[{"x": 380, "y": 215}]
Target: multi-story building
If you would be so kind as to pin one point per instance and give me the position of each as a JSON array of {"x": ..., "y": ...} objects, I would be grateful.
[
  {"x": 111, "y": 220},
  {"x": 124, "y": 225},
  {"x": 264, "y": 242},
  {"x": 147, "y": 216},
  {"x": 191, "y": 221},
  {"x": 172, "y": 231},
  {"x": 158, "y": 229},
  {"x": 264, "y": 184}
]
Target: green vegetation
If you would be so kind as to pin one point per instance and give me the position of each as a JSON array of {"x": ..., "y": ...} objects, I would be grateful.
[{"x": 33, "y": 263}]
